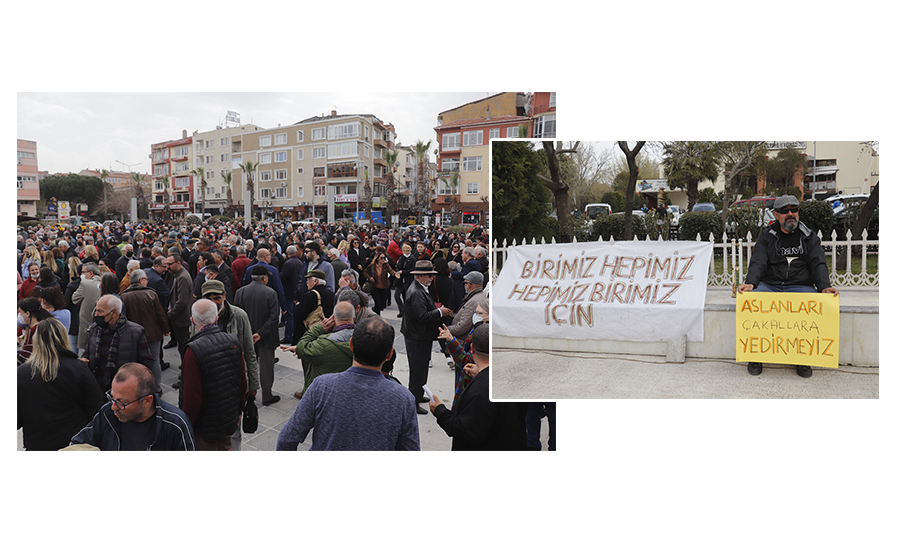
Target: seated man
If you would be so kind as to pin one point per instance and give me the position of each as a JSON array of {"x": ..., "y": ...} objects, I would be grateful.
[{"x": 134, "y": 419}]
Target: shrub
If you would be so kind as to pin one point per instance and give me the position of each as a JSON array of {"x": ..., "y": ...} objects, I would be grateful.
[
  {"x": 818, "y": 216},
  {"x": 191, "y": 219},
  {"x": 700, "y": 223},
  {"x": 614, "y": 226}
]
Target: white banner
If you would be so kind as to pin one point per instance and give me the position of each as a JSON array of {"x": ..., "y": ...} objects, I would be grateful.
[{"x": 632, "y": 291}]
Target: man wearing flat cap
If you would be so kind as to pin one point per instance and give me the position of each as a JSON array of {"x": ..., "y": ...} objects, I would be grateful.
[
  {"x": 787, "y": 258},
  {"x": 261, "y": 304},
  {"x": 421, "y": 321},
  {"x": 462, "y": 318}
]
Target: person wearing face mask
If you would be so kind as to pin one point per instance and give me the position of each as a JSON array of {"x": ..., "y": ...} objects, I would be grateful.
[
  {"x": 30, "y": 314},
  {"x": 113, "y": 341},
  {"x": 462, "y": 320},
  {"x": 121, "y": 265},
  {"x": 32, "y": 281},
  {"x": 788, "y": 257}
]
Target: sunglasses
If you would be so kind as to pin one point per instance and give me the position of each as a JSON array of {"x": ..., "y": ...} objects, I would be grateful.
[{"x": 786, "y": 209}]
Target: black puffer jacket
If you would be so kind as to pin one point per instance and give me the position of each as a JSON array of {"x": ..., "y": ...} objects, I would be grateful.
[
  {"x": 220, "y": 358},
  {"x": 769, "y": 265}
]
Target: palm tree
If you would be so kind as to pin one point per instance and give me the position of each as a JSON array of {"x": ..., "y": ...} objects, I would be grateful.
[
  {"x": 226, "y": 177},
  {"x": 249, "y": 167},
  {"x": 138, "y": 179},
  {"x": 199, "y": 172},
  {"x": 390, "y": 157},
  {"x": 687, "y": 163},
  {"x": 165, "y": 182},
  {"x": 454, "y": 199},
  {"x": 104, "y": 174},
  {"x": 422, "y": 165},
  {"x": 367, "y": 196}
]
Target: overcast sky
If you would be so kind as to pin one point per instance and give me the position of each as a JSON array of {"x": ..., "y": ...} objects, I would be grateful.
[{"x": 75, "y": 131}]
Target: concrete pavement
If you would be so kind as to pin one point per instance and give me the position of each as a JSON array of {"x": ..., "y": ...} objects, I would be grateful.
[{"x": 550, "y": 375}]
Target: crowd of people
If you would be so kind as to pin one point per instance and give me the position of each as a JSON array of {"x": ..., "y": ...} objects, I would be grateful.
[{"x": 96, "y": 304}]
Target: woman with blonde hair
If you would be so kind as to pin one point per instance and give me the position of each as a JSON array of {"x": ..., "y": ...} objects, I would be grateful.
[
  {"x": 57, "y": 394},
  {"x": 31, "y": 255},
  {"x": 90, "y": 254},
  {"x": 343, "y": 248},
  {"x": 50, "y": 261}
]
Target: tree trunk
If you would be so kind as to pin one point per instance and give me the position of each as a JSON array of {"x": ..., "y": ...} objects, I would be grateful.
[
  {"x": 631, "y": 158},
  {"x": 559, "y": 190},
  {"x": 862, "y": 222}
]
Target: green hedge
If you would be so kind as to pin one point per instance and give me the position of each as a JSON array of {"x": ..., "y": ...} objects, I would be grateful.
[
  {"x": 702, "y": 223},
  {"x": 818, "y": 216}
]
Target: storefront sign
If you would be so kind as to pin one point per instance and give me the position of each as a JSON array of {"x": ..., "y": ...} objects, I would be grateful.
[
  {"x": 788, "y": 328},
  {"x": 632, "y": 291}
]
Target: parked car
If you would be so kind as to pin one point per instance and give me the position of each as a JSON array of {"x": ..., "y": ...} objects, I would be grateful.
[
  {"x": 843, "y": 206},
  {"x": 764, "y": 204},
  {"x": 704, "y": 207}
]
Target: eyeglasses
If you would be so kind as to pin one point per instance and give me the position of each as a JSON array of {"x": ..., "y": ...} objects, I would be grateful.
[
  {"x": 109, "y": 398},
  {"x": 786, "y": 209},
  {"x": 214, "y": 297}
]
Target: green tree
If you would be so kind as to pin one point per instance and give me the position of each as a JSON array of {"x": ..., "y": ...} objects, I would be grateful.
[
  {"x": 73, "y": 188},
  {"x": 390, "y": 187},
  {"x": 738, "y": 161},
  {"x": 521, "y": 201},
  {"x": 229, "y": 197},
  {"x": 165, "y": 183},
  {"x": 422, "y": 194},
  {"x": 687, "y": 163},
  {"x": 631, "y": 155},
  {"x": 248, "y": 168},
  {"x": 200, "y": 173},
  {"x": 104, "y": 175},
  {"x": 781, "y": 171}
]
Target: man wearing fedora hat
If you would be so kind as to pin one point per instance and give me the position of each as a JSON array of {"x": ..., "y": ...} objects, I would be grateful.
[
  {"x": 788, "y": 257},
  {"x": 421, "y": 321}
]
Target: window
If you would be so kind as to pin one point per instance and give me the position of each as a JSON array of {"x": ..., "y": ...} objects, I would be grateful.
[
  {"x": 320, "y": 190},
  {"x": 224, "y": 140},
  {"x": 265, "y": 193},
  {"x": 318, "y": 152},
  {"x": 450, "y": 164},
  {"x": 319, "y": 172},
  {"x": 265, "y": 176},
  {"x": 179, "y": 152},
  {"x": 182, "y": 183},
  {"x": 299, "y": 135},
  {"x": 472, "y": 188},
  {"x": 182, "y": 197},
  {"x": 281, "y": 192},
  {"x": 494, "y": 133},
  {"x": 450, "y": 142},
  {"x": 265, "y": 158},
  {"x": 545, "y": 126},
  {"x": 342, "y": 170},
  {"x": 280, "y": 139},
  {"x": 475, "y": 137},
  {"x": 183, "y": 167},
  {"x": 281, "y": 156},
  {"x": 318, "y": 133},
  {"x": 345, "y": 149},
  {"x": 265, "y": 141},
  {"x": 471, "y": 164},
  {"x": 512, "y": 132},
  {"x": 299, "y": 154},
  {"x": 223, "y": 157},
  {"x": 300, "y": 192},
  {"x": 210, "y": 143},
  {"x": 299, "y": 170},
  {"x": 158, "y": 186},
  {"x": 210, "y": 174},
  {"x": 281, "y": 174},
  {"x": 210, "y": 159},
  {"x": 342, "y": 131}
]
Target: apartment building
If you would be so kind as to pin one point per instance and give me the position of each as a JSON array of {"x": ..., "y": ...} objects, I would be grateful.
[
  {"x": 28, "y": 191},
  {"x": 172, "y": 159},
  {"x": 218, "y": 152},
  {"x": 317, "y": 167},
  {"x": 463, "y": 137}
]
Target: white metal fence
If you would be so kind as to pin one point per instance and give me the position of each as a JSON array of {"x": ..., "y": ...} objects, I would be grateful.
[{"x": 730, "y": 259}]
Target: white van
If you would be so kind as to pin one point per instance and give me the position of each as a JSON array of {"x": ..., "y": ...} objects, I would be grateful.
[{"x": 596, "y": 209}]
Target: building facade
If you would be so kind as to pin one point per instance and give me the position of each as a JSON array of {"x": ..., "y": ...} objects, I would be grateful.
[
  {"x": 217, "y": 153},
  {"x": 171, "y": 161},
  {"x": 28, "y": 191},
  {"x": 318, "y": 167},
  {"x": 463, "y": 136}
]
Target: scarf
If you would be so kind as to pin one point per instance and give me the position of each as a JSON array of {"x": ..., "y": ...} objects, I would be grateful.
[{"x": 104, "y": 374}]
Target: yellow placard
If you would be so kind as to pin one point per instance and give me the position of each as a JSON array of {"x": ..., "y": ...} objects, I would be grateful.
[{"x": 788, "y": 328}]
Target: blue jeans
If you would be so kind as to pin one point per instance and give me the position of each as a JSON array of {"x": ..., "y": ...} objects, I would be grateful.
[{"x": 763, "y": 287}]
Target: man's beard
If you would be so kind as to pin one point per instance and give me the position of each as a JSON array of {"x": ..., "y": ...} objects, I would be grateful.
[{"x": 790, "y": 225}]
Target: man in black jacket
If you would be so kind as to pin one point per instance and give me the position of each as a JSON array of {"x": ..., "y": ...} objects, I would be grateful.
[
  {"x": 421, "y": 320},
  {"x": 787, "y": 258}
]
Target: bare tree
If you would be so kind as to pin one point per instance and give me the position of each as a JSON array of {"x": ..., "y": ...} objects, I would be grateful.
[
  {"x": 631, "y": 158},
  {"x": 556, "y": 185},
  {"x": 737, "y": 159}
]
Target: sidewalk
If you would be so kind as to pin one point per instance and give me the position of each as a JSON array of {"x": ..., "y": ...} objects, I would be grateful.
[{"x": 549, "y": 375}]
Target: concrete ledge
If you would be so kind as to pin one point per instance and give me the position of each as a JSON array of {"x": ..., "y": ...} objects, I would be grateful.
[{"x": 859, "y": 333}]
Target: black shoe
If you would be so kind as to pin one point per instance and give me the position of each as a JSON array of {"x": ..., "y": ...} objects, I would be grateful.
[
  {"x": 163, "y": 366},
  {"x": 281, "y": 324},
  {"x": 276, "y": 359},
  {"x": 423, "y": 399},
  {"x": 286, "y": 341},
  {"x": 420, "y": 410},
  {"x": 275, "y": 399},
  {"x": 754, "y": 368},
  {"x": 172, "y": 344},
  {"x": 805, "y": 372},
  {"x": 176, "y": 385},
  {"x": 400, "y": 314}
]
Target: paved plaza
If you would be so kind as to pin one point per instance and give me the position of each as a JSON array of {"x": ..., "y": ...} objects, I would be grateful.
[{"x": 289, "y": 379}]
